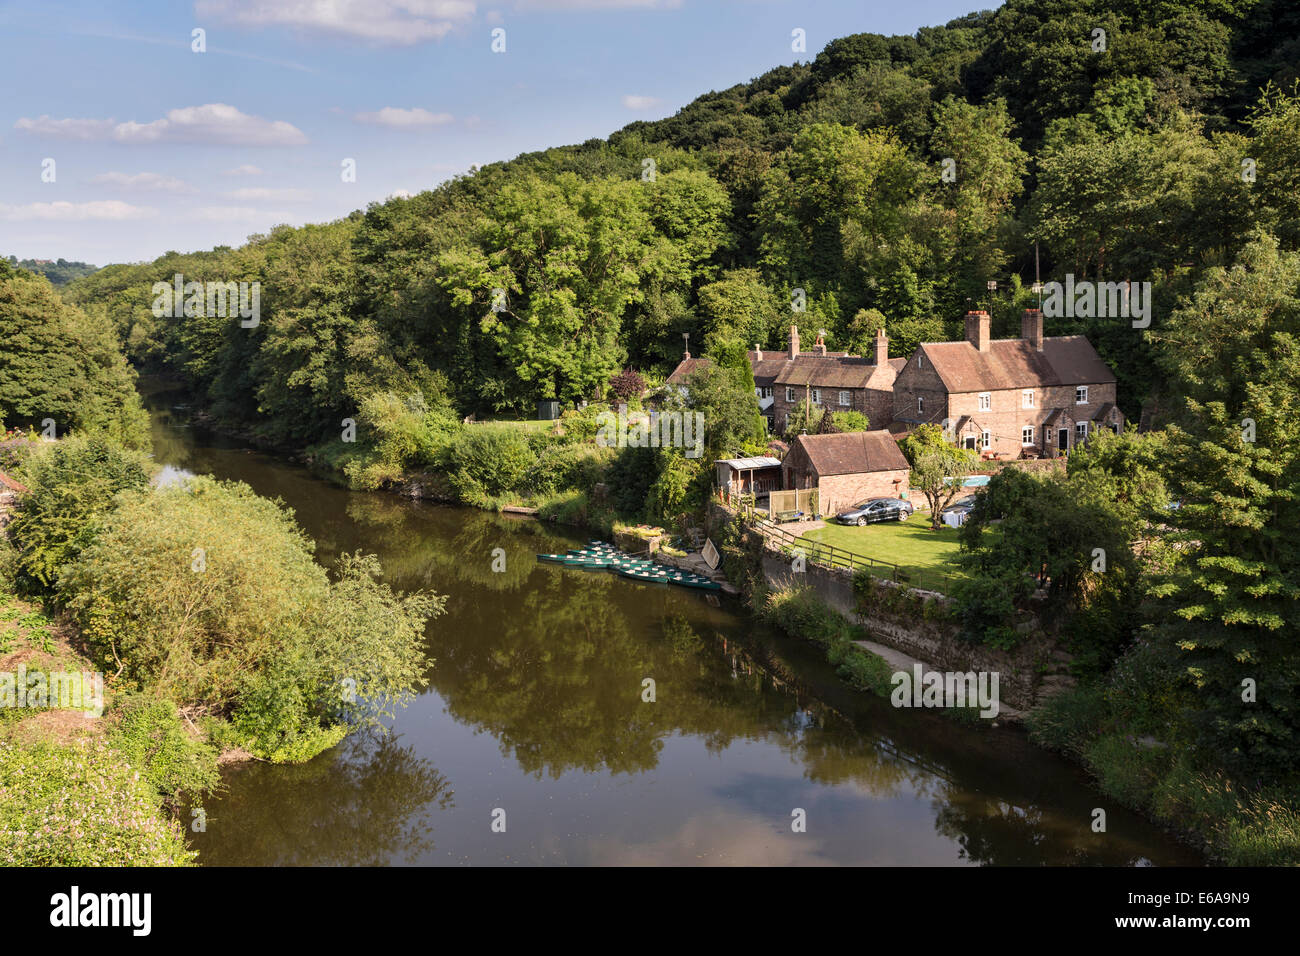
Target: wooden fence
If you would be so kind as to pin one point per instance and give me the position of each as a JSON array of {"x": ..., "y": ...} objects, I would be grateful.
[
  {"x": 789, "y": 502},
  {"x": 829, "y": 556}
]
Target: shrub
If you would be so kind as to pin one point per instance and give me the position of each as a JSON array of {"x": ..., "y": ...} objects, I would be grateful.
[
  {"x": 487, "y": 461},
  {"x": 71, "y": 485},
  {"x": 149, "y": 733},
  {"x": 81, "y": 805},
  {"x": 256, "y": 630},
  {"x": 1125, "y": 770},
  {"x": 1069, "y": 720}
]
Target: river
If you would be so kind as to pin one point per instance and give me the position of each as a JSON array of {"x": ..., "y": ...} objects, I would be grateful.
[{"x": 533, "y": 719}]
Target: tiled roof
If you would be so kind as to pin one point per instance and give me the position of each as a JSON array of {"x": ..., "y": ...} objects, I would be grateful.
[
  {"x": 852, "y": 453},
  {"x": 1014, "y": 363},
  {"x": 685, "y": 368}
]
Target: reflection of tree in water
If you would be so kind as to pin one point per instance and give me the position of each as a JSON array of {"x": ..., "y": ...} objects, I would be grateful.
[
  {"x": 424, "y": 546},
  {"x": 361, "y": 804},
  {"x": 556, "y": 674},
  {"x": 994, "y": 832}
]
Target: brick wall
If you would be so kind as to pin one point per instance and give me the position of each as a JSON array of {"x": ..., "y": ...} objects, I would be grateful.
[
  {"x": 860, "y": 400},
  {"x": 919, "y": 382},
  {"x": 1007, "y": 414},
  {"x": 839, "y": 492}
]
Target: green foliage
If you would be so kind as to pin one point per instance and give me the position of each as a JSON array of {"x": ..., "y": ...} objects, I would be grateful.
[
  {"x": 81, "y": 805},
  {"x": 71, "y": 485},
  {"x": 207, "y": 595},
  {"x": 63, "y": 365},
  {"x": 939, "y": 468},
  {"x": 149, "y": 733},
  {"x": 487, "y": 461}
]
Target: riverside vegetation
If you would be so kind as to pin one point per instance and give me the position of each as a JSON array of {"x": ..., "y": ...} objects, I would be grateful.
[{"x": 549, "y": 276}]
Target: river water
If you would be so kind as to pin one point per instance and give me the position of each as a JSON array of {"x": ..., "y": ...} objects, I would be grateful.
[{"x": 533, "y": 718}]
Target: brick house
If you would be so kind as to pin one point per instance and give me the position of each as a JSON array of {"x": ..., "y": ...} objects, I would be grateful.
[
  {"x": 831, "y": 381},
  {"x": 847, "y": 468},
  {"x": 835, "y": 381},
  {"x": 1034, "y": 396}
]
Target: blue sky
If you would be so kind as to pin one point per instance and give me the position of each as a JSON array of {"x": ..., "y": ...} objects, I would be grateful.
[{"x": 157, "y": 147}]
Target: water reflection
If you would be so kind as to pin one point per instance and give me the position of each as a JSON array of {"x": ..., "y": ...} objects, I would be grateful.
[{"x": 535, "y": 707}]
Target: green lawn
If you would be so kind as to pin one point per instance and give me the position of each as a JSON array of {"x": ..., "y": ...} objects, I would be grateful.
[{"x": 925, "y": 555}]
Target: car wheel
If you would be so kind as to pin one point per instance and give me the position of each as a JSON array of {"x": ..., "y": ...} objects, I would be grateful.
[
  {"x": 902, "y": 515},
  {"x": 861, "y": 522}
]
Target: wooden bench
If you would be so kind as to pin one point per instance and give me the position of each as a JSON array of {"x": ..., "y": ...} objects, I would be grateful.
[{"x": 783, "y": 516}]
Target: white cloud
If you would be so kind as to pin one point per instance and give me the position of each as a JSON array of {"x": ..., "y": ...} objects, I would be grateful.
[
  {"x": 244, "y": 170},
  {"x": 641, "y": 102},
  {"x": 275, "y": 195},
  {"x": 395, "y": 22},
  {"x": 404, "y": 119},
  {"x": 144, "y": 181},
  {"x": 214, "y": 123},
  {"x": 66, "y": 128},
  {"x": 110, "y": 209}
]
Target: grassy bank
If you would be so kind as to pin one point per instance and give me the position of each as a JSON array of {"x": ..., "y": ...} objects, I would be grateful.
[{"x": 1239, "y": 823}]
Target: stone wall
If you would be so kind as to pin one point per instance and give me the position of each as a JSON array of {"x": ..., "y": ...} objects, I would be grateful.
[{"x": 906, "y": 628}]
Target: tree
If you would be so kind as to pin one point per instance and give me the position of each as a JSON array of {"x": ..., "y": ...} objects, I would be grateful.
[{"x": 939, "y": 468}]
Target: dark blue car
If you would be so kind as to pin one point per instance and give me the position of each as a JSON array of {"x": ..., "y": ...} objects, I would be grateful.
[{"x": 876, "y": 509}]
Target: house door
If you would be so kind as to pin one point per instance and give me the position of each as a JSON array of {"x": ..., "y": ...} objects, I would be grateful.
[{"x": 1063, "y": 439}]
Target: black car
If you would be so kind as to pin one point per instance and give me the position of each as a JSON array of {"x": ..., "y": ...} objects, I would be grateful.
[{"x": 876, "y": 509}]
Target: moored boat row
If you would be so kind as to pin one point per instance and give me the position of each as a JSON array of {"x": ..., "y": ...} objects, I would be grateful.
[{"x": 599, "y": 556}]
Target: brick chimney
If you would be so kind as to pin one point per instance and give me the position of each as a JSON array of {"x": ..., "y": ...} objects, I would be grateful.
[
  {"x": 820, "y": 346},
  {"x": 758, "y": 352},
  {"x": 1031, "y": 328},
  {"x": 794, "y": 341},
  {"x": 882, "y": 347},
  {"x": 977, "y": 330}
]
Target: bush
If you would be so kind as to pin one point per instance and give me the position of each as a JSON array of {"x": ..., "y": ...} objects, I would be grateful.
[
  {"x": 208, "y": 594},
  {"x": 149, "y": 733},
  {"x": 81, "y": 805},
  {"x": 487, "y": 461},
  {"x": 1127, "y": 771},
  {"x": 71, "y": 485},
  {"x": 1069, "y": 720}
]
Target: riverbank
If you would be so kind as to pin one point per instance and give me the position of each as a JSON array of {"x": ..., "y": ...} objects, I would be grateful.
[{"x": 870, "y": 674}]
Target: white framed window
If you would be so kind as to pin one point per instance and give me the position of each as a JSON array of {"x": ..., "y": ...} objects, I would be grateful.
[
  {"x": 1080, "y": 430},
  {"x": 1027, "y": 435},
  {"x": 844, "y": 398},
  {"x": 986, "y": 401},
  {"x": 920, "y": 360},
  {"x": 1027, "y": 398},
  {"x": 920, "y": 405},
  {"x": 817, "y": 396},
  {"x": 765, "y": 391},
  {"x": 988, "y": 439},
  {"x": 789, "y": 394},
  {"x": 1081, "y": 395}
]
